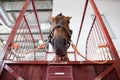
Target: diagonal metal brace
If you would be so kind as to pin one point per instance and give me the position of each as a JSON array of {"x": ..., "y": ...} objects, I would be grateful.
[
  {"x": 12, "y": 72},
  {"x": 103, "y": 74}
]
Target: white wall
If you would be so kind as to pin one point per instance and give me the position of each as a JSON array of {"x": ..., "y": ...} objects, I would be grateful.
[{"x": 110, "y": 8}]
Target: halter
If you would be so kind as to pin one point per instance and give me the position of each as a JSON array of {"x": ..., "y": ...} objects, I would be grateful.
[
  {"x": 59, "y": 23},
  {"x": 51, "y": 34}
]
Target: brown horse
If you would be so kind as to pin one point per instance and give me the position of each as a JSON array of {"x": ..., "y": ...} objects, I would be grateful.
[{"x": 60, "y": 36}]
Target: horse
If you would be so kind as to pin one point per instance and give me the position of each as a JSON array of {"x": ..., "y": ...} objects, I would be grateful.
[{"x": 60, "y": 36}]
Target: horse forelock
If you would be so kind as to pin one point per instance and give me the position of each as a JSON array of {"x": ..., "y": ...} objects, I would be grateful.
[
  {"x": 60, "y": 14},
  {"x": 60, "y": 20}
]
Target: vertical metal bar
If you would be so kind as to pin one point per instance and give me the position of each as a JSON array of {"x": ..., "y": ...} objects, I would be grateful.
[
  {"x": 96, "y": 37},
  {"x": 19, "y": 35},
  {"x": 9, "y": 56},
  {"x": 46, "y": 56},
  {"x": 92, "y": 44},
  {"x": 103, "y": 27},
  {"x": 101, "y": 36},
  {"x": 34, "y": 8},
  {"x": 21, "y": 39},
  {"x": 98, "y": 42},
  {"x": 83, "y": 17},
  {"x": 75, "y": 56},
  {"x": 30, "y": 34},
  {"x": 87, "y": 41},
  {"x": 90, "y": 48}
]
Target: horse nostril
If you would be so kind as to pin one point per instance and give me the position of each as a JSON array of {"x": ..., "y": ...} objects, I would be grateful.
[
  {"x": 64, "y": 42},
  {"x": 59, "y": 43}
]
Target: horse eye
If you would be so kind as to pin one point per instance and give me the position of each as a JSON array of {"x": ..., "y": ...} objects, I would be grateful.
[
  {"x": 68, "y": 21},
  {"x": 50, "y": 22},
  {"x": 71, "y": 31}
]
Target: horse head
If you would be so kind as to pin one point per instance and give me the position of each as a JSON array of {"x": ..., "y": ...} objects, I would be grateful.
[{"x": 60, "y": 36}]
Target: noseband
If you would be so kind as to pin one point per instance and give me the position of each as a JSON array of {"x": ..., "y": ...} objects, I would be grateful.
[{"x": 51, "y": 39}]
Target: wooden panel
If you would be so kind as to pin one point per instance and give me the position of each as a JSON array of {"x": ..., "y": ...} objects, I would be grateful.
[
  {"x": 59, "y": 73},
  {"x": 6, "y": 76},
  {"x": 20, "y": 70},
  {"x": 36, "y": 73},
  {"x": 27, "y": 72},
  {"x": 15, "y": 68},
  {"x": 84, "y": 72},
  {"x": 44, "y": 72},
  {"x": 90, "y": 72},
  {"x": 66, "y": 72},
  {"x": 111, "y": 76}
]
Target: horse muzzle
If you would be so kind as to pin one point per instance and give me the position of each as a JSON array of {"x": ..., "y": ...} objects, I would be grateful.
[{"x": 60, "y": 46}]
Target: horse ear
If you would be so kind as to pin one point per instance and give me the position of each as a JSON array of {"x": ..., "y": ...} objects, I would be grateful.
[
  {"x": 51, "y": 18},
  {"x": 68, "y": 18}
]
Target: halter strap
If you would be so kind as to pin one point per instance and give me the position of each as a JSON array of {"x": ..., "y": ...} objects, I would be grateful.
[{"x": 51, "y": 33}]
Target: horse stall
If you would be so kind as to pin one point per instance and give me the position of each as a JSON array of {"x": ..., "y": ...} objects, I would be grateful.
[
  {"x": 21, "y": 42},
  {"x": 37, "y": 70}
]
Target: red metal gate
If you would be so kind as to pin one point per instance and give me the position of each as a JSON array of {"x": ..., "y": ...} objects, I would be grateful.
[{"x": 15, "y": 65}]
